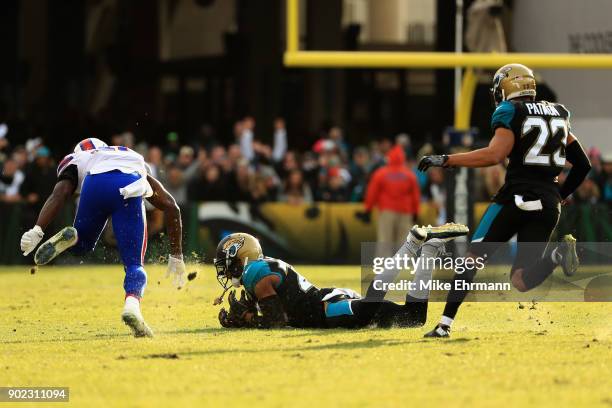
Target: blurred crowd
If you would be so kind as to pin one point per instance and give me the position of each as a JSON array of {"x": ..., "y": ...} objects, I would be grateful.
[{"x": 250, "y": 170}]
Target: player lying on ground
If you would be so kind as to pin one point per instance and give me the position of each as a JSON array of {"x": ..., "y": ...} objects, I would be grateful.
[
  {"x": 285, "y": 298},
  {"x": 537, "y": 139},
  {"x": 111, "y": 181}
]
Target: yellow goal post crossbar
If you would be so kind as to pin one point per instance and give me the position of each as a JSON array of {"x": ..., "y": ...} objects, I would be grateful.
[{"x": 380, "y": 59}]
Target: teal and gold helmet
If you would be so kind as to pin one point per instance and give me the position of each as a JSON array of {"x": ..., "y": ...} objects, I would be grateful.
[{"x": 233, "y": 253}]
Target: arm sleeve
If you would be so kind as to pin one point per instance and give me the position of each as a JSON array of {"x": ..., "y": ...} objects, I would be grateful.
[
  {"x": 273, "y": 315},
  {"x": 71, "y": 174},
  {"x": 503, "y": 115},
  {"x": 580, "y": 168}
]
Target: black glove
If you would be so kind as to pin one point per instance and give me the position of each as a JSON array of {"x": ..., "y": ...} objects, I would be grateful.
[
  {"x": 365, "y": 216},
  {"x": 432, "y": 161},
  {"x": 239, "y": 307},
  {"x": 227, "y": 321}
]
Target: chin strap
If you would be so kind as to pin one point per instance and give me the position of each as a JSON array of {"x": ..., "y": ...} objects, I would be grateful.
[{"x": 219, "y": 300}]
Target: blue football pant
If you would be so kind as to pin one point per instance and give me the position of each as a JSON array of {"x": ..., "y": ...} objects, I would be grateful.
[{"x": 100, "y": 199}]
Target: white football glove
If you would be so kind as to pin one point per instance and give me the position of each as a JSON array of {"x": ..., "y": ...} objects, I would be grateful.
[
  {"x": 30, "y": 239},
  {"x": 176, "y": 269}
]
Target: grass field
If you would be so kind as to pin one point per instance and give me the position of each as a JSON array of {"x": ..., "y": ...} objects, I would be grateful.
[{"x": 61, "y": 327}]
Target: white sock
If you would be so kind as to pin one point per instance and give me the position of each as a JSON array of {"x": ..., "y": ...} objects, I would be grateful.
[
  {"x": 411, "y": 246},
  {"x": 424, "y": 271},
  {"x": 447, "y": 321},
  {"x": 132, "y": 304}
]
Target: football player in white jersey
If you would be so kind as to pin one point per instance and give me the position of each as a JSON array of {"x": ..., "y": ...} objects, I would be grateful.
[{"x": 111, "y": 181}]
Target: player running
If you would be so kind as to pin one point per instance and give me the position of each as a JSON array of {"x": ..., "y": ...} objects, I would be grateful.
[
  {"x": 112, "y": 181},
  {"x": 537, "y": 139},
  {"x": 277, "y": 295}
]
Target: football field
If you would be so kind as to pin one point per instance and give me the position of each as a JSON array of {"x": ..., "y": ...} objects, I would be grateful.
[{"x": 61, "y": 327}]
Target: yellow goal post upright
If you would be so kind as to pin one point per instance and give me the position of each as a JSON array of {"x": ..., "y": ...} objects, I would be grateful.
[{"x": 294, "y": 57}]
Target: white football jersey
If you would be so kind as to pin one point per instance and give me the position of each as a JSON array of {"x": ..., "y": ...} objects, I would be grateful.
[{"x": 103, "y": 160}]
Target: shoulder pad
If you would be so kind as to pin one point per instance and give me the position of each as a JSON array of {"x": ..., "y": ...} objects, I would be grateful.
[
  {"x": 503, "y": 115},
  {"x": 64, "y": 163}
]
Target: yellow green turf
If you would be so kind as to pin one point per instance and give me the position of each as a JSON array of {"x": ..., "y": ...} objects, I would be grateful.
[{"x": 61, "y": 327}]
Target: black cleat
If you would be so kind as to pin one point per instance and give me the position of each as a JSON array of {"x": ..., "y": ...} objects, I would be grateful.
[
  {"x": 55, "y": 245},
  {"x": 440, "y": 331},
  {"x": 569, "y": 258}
]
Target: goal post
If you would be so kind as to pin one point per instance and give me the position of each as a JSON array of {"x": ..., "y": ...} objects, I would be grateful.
[{"x": 296, "y": 58}]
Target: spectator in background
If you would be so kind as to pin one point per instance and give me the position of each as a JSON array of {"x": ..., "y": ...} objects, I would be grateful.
[
  {"x": 259, "y": 190},
  {"x": 217, "y": 155},
  {"x": 207, "y": 137},
  {"x": 597, "y": 169},
  {"x": 234, "y": 156},
  {"x": 394, "y": 191},
  {"x": 176, "y": 185},
  {"x": 187, "y": 164},
  {"x": 185, "y": 157},
  {"x": 295, "y": 190},
  {"x": 310, "y": 170},
  {"x": 336, "y": 135},
  {"x": 263, "y": 154},
  {"x": 587, "y": 192},
  {"x": 289, "y": 163},
  {"x": 271, "y": 182},
  {"x": 208, "y": 185},
  {"x": 10, "y": 182},
  {"x": 247, "y": 136},
  {"x": 606, "y": 191},
  {"x": 379, "y": 150},
  {"x": 40, "y": 178},
  {"x": 333, "y": 177},
  {"x": 172, "y": 147},
  {"x": 4, "y": 143},
  {"x": 20, "y": 156},
  {"x": 123, "y": 139},
  {"x": 241, "y": 181},
  {"x": 359, "y": 173},
  {"x": 425, "y": 150},
  {"x": 435, "y": 193},
  {"x": 31, "y": 147},
  {"x": 335, "y": 189},
  {"x": 404, "y": 140},
  {"x": 128, "y": 140},
  {"x": 280, "y": 140},
  {"x": 154, "y": 160}
]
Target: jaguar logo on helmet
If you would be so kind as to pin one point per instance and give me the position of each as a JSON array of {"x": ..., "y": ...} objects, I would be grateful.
[
  {"x": 232, "y": 246},
  {"x": 513, "y": 81},
  {"x": 232, "y": 255}
]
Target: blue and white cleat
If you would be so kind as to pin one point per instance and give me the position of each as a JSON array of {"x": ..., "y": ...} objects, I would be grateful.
[
  {"x": 136, "y": 323},
  {"x": 55, "y": 245}
]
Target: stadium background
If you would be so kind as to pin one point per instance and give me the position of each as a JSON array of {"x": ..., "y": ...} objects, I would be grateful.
[{"x": 182, "y": 81}]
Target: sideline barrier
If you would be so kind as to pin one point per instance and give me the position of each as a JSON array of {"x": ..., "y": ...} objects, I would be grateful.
[{"x": 327, "y": 233}]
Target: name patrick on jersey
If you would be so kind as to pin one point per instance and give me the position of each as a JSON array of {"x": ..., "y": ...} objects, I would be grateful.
[{"x": 538, "y": 108}]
